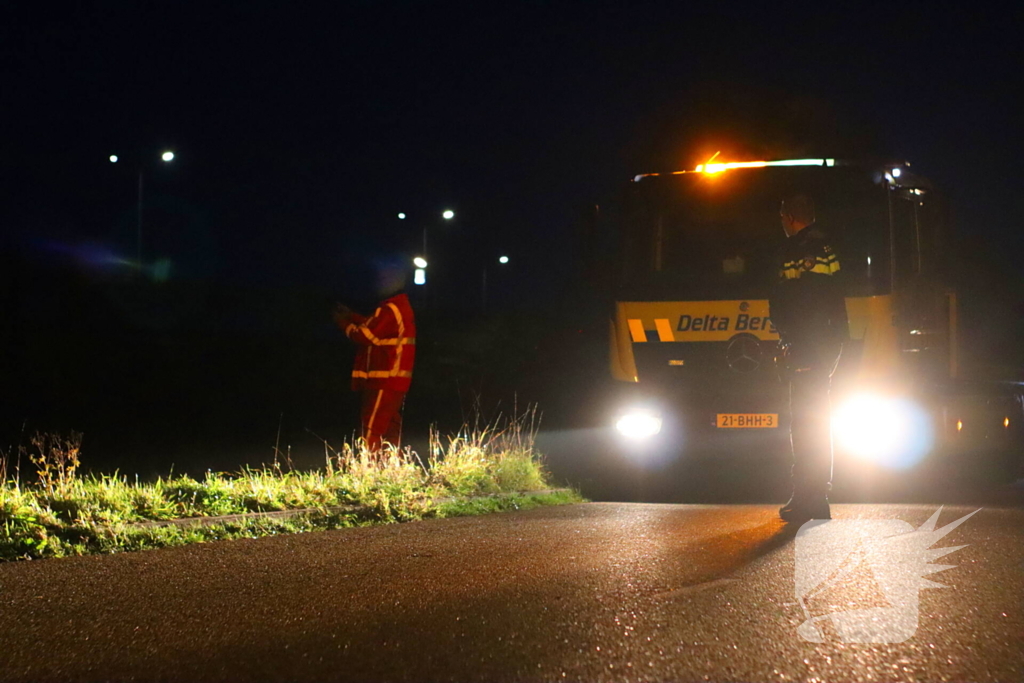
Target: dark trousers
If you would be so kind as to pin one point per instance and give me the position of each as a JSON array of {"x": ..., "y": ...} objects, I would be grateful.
[
  {"x": 811, "y": 426},
  {"x": 382, "y": 417}
]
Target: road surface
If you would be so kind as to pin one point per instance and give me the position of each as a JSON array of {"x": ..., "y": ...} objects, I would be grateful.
[{"x": 591, "y": 592}]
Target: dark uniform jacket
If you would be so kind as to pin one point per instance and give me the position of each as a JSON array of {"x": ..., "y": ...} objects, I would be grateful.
[{"x": 807, "y": 305}]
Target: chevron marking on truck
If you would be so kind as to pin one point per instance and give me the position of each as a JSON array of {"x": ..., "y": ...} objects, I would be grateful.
[
  {"x": 664, "y": 330},
  {"x": 636, "y": 330}
]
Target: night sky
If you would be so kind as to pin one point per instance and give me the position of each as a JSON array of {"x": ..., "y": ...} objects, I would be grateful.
[{"x": 302, "y": 129}]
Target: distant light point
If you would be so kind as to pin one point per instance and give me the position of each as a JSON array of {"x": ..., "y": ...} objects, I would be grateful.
[
  {"x": 167, "y": 156},
  {"x": 448, "y": 214},
  {"x": 896, "y": 172},
  {"x": 419, "y": 262},
  {"x": 113, "y": 158},
  {"x": 503, "y": 259},
  {"x": 401, "y": 216}
]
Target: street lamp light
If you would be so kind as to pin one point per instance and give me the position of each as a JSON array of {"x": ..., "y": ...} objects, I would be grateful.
[
  {"x": 447, "y": 215},
  {"x": 503, "y": 260},
  {"x": 166, "y": 156},
  {"x": 419, "y": 277}
]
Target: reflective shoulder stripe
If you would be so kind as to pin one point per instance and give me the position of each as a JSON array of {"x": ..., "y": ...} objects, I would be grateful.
[
  {"x": 380, "y": 374},
  {"x": 826, "y": 266},
  {"x": 830, "y": 261},
  {"x": 399, "y": 342},
  {"x": 398, "y": 317}
]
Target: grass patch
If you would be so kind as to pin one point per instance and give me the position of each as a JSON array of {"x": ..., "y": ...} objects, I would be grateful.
[
  {"x": 61, "y": 513},
  {"x": 503, "y": 503}
]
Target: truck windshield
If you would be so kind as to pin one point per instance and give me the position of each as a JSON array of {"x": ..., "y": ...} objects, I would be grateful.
[{"x": 717, "y": 236}]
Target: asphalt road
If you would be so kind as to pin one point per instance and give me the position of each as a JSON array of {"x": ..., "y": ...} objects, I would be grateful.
[{"x": 591, "y": 592}]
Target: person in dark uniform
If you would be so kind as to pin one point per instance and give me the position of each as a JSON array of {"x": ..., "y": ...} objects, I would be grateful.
[{"x": 808, "y": 309}]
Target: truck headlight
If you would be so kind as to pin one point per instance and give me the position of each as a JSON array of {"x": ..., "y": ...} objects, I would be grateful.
[
  {"x": 889, "y": 431},
  {"x": 639, "y": 424}
]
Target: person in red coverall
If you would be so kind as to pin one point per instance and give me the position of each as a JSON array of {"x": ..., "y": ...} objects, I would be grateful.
[{"x": 386, "y": 343}]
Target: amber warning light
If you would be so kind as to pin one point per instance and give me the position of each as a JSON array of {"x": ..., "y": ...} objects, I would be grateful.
[
  {"x": 711, "y": 166},
  {"x": 718, "y": 167}
]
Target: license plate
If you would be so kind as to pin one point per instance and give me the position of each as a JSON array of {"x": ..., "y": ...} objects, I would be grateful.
[{"x": 747, "y": 420}]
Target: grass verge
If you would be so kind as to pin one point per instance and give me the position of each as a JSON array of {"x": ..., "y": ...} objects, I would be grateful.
[{"x": 62, "y": 513}]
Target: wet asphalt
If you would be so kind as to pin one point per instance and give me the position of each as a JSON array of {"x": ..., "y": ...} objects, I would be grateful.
[{"x": 591, "y": 592}]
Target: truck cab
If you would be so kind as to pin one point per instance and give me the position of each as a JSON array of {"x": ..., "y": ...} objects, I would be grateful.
[{"x": 694, "y": 255}]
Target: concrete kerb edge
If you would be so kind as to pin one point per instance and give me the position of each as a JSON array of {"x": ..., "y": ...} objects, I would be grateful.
[{"x": 334, "y": 510}]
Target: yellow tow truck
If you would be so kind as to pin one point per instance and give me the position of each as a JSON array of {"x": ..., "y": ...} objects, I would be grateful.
[{"x": 692, "y": 261}]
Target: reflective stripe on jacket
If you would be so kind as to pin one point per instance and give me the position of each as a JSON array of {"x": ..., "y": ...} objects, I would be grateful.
[
  {"x": 807, "y": 305},
  {"x": 387, "y": 346}
]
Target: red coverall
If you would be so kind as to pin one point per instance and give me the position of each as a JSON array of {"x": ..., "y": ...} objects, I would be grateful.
[{"x": 383, "y": 366}]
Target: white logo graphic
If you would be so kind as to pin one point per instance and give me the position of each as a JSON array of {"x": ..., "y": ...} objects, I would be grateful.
[{"x": 862, "y": 577}]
